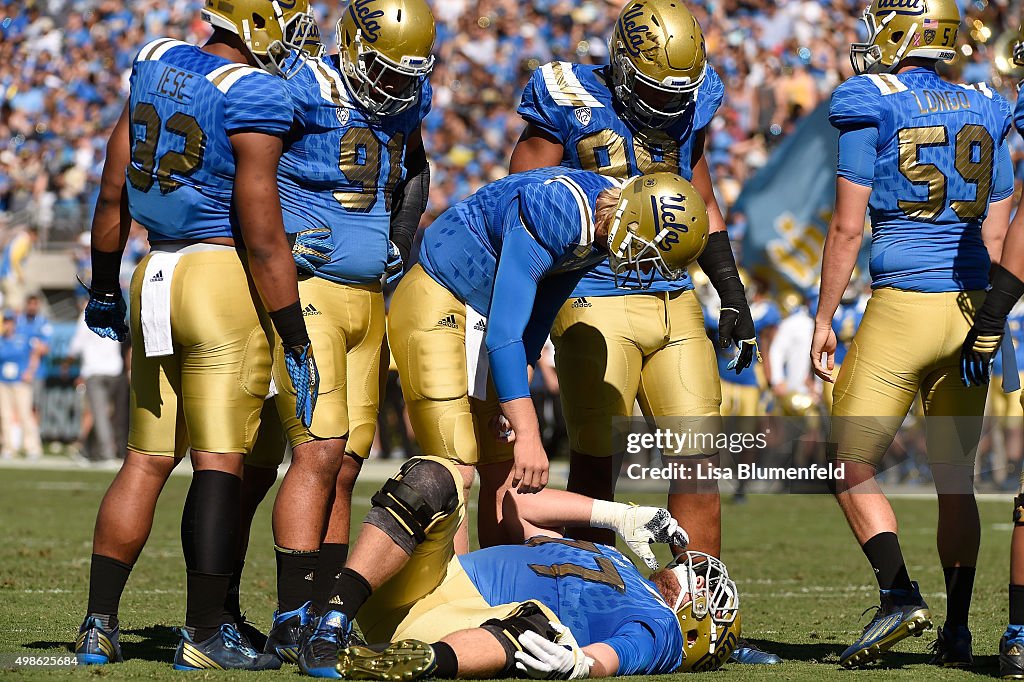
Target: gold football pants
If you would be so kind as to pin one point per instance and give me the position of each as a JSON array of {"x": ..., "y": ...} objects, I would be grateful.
[
  {"x": 908, "y": 342},
  {"x": 431, "y": 596},
  {"x": 427, "y": 333},
  {"x": 210, "y": 392},
  {"x": 346, "y": 327},
  {"x": 613, "y": 350}
]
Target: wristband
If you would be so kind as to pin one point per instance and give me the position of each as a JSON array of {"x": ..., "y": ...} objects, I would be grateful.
[
  {"x": 290, "y": 326},
  {"x": 106, "y": 272}
]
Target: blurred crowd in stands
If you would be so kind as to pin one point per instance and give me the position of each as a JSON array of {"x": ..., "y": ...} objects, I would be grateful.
[{"x": 64, "y": 68}]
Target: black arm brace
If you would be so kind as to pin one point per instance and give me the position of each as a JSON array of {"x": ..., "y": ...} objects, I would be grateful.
[
  {"x": 1006, "y": 291},
  {"x": 410, "y": 201},
  {"x": 719, "y": 265}
]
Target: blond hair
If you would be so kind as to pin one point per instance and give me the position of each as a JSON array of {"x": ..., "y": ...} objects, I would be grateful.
[{"x": 604, "y": 209}]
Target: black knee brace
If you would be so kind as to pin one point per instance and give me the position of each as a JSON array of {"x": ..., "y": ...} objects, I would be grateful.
[
  {"x": 528, "y": 616},
  {"x": 409, "y": 504}
]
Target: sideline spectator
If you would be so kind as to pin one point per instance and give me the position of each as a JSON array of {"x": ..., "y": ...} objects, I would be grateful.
[{"x": 18, "y": 365}]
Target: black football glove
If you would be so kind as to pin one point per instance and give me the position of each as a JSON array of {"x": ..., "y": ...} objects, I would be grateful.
[
  {"x": 735, "y": 324},
  {"x": 986, "y": 334}
]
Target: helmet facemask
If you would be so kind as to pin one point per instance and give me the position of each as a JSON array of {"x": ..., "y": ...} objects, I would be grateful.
[
  {"x": 867, "y": 57},
  {"x": 636, "y": 261},
  {"x": 707, "y": 608},
  {"x": 370, "y": 74},
  {"x": 673, "y": 96},
  {"x": 283, "y": 56}
]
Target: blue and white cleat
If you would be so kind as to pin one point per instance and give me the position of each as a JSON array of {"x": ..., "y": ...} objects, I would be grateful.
[
  {"x": 746, "y": 653},
  {"x": 900, "y": 614},
  {"x": 226, "y": 650},
  {"x": 285, "y": 636},
  {"x": 322, "y": 643},
  {"x": 97, "y": 645},
  {"x": 1011, "y": 653}
]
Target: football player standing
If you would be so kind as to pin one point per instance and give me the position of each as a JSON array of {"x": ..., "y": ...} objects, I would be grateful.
[
  {"x": 929, "y": 160},
  {"x": 199, "y": 144},
  {"x": 976, "y": 357},
  {"x": 647, "y": 111},
  {"x": 354, "y": 173}
]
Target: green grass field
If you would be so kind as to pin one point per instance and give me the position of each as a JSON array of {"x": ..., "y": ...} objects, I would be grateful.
[{"x": 803, "y": 581}]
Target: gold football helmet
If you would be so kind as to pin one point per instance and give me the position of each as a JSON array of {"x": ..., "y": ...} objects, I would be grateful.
[
  {"x": 385, "y": 55},
  {"x": 275, "y": 31},
  {"x": 708, "y": 609},
  {"x": 657, "y": 61},
  {"x": 660, "y": 224},
  {"x": 900, "y": 29}
]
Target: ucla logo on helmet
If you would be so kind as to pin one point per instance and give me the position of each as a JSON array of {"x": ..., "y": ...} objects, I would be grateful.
[
  {"x": 901, "y": 6},
  {"x": 669, "y": 213},
  {"x": 583, "y": 115},
  {"x": 633, "y": 30},
  {"x": 366, "y": 16}
]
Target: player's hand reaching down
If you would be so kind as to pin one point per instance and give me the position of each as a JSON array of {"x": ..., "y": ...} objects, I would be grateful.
[
  {"x": 530, "y": 464},
  {"x": 561, "y": 659},
  {"x": 640, "y": 527}
]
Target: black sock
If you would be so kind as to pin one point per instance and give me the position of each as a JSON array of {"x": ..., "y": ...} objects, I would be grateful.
[
  {"x": 1017, "y": 605},
  {"x": 886, "y": 557},
  {"x": 107, "y": 578},
  {"x": 959, "y": 587},
  {"x": 295, "y": 575},
  {"x": 447, "y": 663},
  {"x": 204, "y": 603},
  {"x": 232, "y": 603},
  {"x": 348, "y": 596},
  {"x": 209, "y": 540},
  {"x": 329, "y": 564}
]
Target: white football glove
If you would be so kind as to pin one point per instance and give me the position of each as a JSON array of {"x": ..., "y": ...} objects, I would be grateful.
[
  {"x": 542, "y": 659},
  {"x": 640, "y": 527}
]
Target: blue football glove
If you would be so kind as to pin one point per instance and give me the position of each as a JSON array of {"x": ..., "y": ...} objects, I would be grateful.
[
  {"x": 313, "y": 248},
  {"x": 305, "y": 379},
  {"x": 395, "y": 267},
  {"x": 104, "y": 315}
]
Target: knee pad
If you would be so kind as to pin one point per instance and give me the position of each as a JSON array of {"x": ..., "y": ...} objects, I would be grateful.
[
  {"x": 408, "y": 505},
  {"x": 1018, "y": 510},
  {"x": 527, "y": 616}
]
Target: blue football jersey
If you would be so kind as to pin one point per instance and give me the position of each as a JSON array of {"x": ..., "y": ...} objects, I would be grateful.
[
  {"x": 574, "y": 103},
  {"x": 555, "y": 204},
  {"x": 934, "y": 175},
  {"x": 845, "y": 323},
  {"x": 595, "y": 592},
  {"x": 765, "y": 315},
  {"x": 184, "y": 106},
  {"x": 340, "y": 169}
]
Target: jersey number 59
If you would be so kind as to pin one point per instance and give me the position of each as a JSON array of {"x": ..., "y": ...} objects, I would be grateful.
[{"x": 973, "y": 151}]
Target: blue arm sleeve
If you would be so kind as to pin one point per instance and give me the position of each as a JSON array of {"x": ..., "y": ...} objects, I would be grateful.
[
  {"x": 551, "y": 294},
  {"x": 1003, "y": 185},
  {"x": 858, "y": 149},
  {"x": 521, "y": 266}
]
